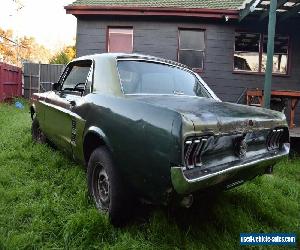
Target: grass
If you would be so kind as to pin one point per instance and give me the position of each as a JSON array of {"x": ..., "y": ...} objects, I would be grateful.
[{"x": 44, "y": 204}]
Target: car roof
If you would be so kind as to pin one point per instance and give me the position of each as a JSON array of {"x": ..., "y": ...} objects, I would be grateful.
[{"x": 133, "y": 56}]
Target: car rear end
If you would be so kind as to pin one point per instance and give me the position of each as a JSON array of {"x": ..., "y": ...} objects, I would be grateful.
[{"x": 230, "y": 158}]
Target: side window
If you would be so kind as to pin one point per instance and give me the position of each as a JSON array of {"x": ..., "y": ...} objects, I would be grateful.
[{"x": 77, "y": 77}]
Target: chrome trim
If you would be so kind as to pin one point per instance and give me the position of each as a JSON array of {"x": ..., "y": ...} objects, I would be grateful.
[
  {"x": 197, "y": 151},
  {"x": 183, "y": 185},
  {"x": 236, "y": 183},
  {"x": 273, "y": 140},
  {"x": 188, "y": 153},
  {"x": 192, "y": 151}
]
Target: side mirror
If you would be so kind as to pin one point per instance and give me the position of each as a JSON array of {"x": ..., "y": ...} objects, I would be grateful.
[{"x": 55, "y": 86}]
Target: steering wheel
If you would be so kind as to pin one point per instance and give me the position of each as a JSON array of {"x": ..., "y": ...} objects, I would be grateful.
[
  {"x": 75, "y": 88},
  {"x": 78, "y": 84}
]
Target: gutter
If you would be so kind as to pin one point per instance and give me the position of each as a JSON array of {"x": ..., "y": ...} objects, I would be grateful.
[{"x": 102, "y": 10}]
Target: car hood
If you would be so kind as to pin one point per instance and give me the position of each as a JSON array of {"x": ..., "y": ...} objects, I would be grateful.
[{"x": 210, "y": 115}]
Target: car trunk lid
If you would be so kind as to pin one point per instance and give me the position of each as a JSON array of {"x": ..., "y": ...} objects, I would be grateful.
[{"x": 209, "y": 115}]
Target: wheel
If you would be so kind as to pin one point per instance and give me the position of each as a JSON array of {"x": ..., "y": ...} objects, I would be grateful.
[
  {"x": 107, "y": 188},
  {"x": 36, "y": 132}
]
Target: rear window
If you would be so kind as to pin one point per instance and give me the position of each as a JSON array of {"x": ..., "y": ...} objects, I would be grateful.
[{"x": 142, "y": 77}]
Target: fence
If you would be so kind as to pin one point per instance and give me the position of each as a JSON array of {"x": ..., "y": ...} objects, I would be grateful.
[
  {"x": 10, "y": 81},
  {"x": 38, "y": 77}
]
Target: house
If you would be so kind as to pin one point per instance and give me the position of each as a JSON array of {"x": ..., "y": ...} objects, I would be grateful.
[{"x": 225, "y": 41}]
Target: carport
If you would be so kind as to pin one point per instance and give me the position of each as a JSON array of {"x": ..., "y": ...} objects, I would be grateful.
[{"x": 277, "y": 12}]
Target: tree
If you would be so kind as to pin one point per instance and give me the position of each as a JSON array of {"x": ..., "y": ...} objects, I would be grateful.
[
  {"x": 31, "y": 51},
  {"x": 14, "y": 51},
  {"x": 7, "y": 46},
  {"x": 64, "y": 56}
]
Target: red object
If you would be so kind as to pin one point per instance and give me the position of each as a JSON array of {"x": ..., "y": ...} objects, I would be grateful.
[
  {"x": 120, "y": 40},
  {"x": 152, "y": 11},
  {"x": 10, "y": 81}
]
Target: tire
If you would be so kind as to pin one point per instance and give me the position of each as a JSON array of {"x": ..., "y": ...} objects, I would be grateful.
[
  {"x": 107, "y": 188},
  {"x": 36, "y": 132}
]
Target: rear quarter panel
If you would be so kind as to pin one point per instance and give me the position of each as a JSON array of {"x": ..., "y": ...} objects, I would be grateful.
[{"x": 141, "y": 140}]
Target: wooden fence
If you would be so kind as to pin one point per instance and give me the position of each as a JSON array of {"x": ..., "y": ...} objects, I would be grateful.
[
  {"x": 38, "y": 77},
  {"x": 10, "y": 81}
]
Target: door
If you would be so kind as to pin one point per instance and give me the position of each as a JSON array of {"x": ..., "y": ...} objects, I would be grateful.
[{"x": 59, "y": 116}]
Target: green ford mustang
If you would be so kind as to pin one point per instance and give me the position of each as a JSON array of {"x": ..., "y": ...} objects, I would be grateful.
[{"x": 151, "y": 129}]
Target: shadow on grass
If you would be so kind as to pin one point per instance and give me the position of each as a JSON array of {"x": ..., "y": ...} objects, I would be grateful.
[{"x": 202, "y": 211}]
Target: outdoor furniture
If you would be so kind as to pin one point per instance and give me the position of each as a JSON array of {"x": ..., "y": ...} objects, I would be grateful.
[{"x": 256, "y": 98}]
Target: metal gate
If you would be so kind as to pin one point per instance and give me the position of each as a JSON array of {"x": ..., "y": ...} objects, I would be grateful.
[{"x": 38, "y": 77}]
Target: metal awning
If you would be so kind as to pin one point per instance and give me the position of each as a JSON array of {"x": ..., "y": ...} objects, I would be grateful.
[
  {"x": 277, "y": 11},
  {"x": 260, "y": 9}
]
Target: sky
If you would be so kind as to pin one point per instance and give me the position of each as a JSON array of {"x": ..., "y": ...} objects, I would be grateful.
[{"x": 45, "y": 20}]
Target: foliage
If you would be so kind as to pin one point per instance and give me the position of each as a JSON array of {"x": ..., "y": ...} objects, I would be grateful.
[
  {"x": 14, "y": 51},
  {"x": 44, "y": 204},
  {"x": 67, "y": 54}
]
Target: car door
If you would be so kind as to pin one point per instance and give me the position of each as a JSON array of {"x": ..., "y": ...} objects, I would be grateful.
[{"x": 59, "y": 116}]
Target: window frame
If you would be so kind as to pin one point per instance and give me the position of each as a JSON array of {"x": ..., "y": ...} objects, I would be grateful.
[
  {"x": 210, "y": 93},
  {"x": 261, "y": 52},
  {"x": 66, "y": 72},
  {"x": 118, "y": 27},
  {"x": 197, "y": 70}
]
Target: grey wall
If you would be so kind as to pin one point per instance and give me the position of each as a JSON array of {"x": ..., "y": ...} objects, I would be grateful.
[{"x": 160, "y": 39}]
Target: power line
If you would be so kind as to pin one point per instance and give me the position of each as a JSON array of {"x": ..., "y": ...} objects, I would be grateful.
[
  {"x": 17, "y": 44},
  {"x": 4, "y": 37}
]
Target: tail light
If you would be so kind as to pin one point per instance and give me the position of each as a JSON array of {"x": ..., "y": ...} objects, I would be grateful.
[
  {"x": 275, "y": 139},
  {"x": 193, "y": 150}
]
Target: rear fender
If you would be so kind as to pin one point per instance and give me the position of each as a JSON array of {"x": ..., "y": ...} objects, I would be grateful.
[{"x": 99, "y": 136}]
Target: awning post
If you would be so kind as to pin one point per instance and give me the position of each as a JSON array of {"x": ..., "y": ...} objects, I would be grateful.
[{"x": 270, "y": 52}]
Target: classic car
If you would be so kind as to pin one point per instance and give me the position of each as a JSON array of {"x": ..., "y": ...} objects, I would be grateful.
[{"x": 151, "y": 129}]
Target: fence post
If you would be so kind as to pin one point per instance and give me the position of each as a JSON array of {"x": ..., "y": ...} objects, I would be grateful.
[
  {"x": 39, "y": 80},
  {"x": 29, "y": 97}
]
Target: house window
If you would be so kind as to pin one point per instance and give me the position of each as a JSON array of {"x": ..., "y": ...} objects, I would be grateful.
[
  {"x": 120, "y": 40},
  {"x": 280, "y": 57},
  {"x": 191, "y": 49},
  {"x": 246, "y": 55},
  {"x": 250, "y": 53}
]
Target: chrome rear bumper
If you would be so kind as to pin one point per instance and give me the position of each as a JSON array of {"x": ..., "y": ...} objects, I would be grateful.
[{"x": 236, "y": 173}]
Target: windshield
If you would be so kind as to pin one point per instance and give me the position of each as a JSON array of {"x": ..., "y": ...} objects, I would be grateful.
[{"x": 142, "y": 77}]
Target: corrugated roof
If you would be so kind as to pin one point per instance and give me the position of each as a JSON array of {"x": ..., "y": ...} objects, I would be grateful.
[{"x": 210, "y": 4}]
